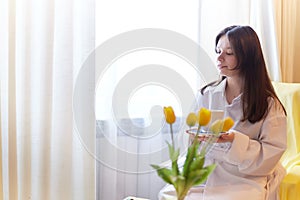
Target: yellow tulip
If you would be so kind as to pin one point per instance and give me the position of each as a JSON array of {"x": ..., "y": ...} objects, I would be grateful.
[
  {"x": 222, "y": 125},
  {"x": 217, "y": 126},
  {"x": 204, "y": 116},
  {"x": 228, "y": 123},
  {"x": 169, "y": 115},
  {"x": 191, "y": 119}
]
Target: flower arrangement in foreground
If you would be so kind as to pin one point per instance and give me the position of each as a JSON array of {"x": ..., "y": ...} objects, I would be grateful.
[{"x": 193, "y": 172}]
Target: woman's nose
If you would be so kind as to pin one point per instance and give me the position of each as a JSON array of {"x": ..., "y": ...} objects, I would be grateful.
[{"x": 220, "y": 57}]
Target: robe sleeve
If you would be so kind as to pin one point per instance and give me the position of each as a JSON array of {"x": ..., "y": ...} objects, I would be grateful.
[{"x": 259, "y": 157}]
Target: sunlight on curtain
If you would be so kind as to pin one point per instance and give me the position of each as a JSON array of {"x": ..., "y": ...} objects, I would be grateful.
[
  {"x": 288, "y": 31},
  {"x": 44, "y": 45},
  {"x": 216, "y": 15}
]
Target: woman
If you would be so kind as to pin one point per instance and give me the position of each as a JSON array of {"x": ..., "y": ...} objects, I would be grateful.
[{"x": 247, "y": 157}]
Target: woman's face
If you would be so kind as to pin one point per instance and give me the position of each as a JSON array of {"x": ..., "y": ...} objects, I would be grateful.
[{"x": 226, "y": 59}]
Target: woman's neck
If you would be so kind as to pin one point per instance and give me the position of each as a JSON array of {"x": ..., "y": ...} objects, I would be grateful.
[{"x": 233, "y": 88}]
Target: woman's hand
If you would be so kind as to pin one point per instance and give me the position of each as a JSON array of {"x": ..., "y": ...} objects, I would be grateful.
[{"x": 226, "y": 137}]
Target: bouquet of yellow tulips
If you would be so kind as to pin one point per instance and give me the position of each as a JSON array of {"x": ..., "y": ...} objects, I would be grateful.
[{"x": 193, "y": 172}]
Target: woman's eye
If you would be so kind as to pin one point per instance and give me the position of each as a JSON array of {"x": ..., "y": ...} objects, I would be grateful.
[{"x": 228, "y": 52}]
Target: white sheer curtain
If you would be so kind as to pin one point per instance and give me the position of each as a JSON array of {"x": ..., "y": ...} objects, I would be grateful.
[
  {"x": 43, "y": 45},
  {"x": 150, "y": 58},
  {"x": 260, "y": 15}
]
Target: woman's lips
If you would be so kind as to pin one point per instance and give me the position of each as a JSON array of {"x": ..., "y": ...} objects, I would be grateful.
[{"x": 220, "y": 66}]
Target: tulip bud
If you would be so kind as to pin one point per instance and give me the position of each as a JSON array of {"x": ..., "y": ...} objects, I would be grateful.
[
  {"x": 191, "y": 119},
  {"x": 217, "y": 126},
  {"x": 204, "y": 116},
  {"x": 228, "y": 123},
  {"x": 169, "y": 115}
]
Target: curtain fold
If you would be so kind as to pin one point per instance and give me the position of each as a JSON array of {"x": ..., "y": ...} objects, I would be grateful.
[
  {"x": 43, "y": 156},
  {"x": 11, "y": 104},
  {"x": 1, "y": 171},
  {"x": 262, "y": 18},
  {"x": 288, "y": 30}
]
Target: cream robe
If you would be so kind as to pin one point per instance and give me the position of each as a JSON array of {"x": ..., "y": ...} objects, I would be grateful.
[{"x": 247, "y": 168}]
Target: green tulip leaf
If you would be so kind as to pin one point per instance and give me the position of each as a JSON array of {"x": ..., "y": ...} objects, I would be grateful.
[
  {"x": 174, "y": 154},
  {"x": 192, "y": 152},
  {"x": 165, "y": 174},
  {"x": 197, "y": 163},
  {"x": 204, "y": 174}
]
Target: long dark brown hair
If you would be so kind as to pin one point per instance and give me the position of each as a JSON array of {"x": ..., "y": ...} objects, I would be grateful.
[{"x": 257, "y": 87}]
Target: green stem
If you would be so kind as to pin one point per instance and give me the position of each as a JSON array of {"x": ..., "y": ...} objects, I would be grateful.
[
  {"x": 198, "y": 130},
  {"x": 208, "y": 142},
  {"x": 171, "y": 128},
  {"x": 197, "y": 133},
  {"x": 183, "y": 194}
]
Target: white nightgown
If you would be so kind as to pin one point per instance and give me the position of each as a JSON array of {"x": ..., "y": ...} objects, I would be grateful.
[{"x": 249, "y": 167}]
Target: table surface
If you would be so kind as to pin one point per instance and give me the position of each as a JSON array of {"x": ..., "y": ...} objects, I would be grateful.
[{"x": 232, "y": 192}]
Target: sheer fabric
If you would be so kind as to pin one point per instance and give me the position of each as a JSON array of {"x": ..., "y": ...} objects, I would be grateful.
[
  {"x": 288, "y": 30},
  {"x": 44, "y": 44}
]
